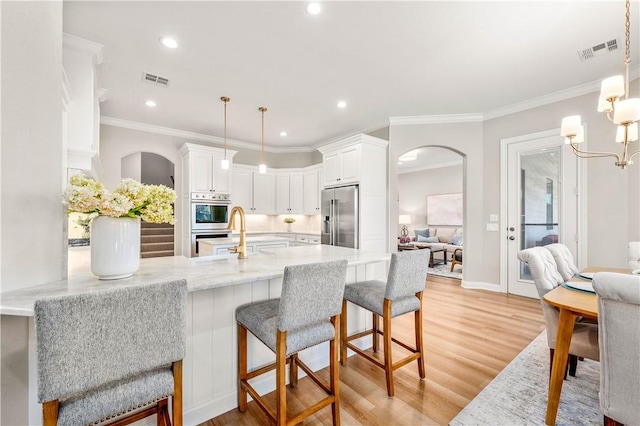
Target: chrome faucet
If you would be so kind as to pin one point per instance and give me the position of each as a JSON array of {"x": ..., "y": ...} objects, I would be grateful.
[{"x": 241, "y": 248}]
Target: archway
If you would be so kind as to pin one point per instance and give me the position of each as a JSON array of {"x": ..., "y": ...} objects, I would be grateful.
[
  {"x": 149, "y": 168},
  {"x": 430, "y": 186}
]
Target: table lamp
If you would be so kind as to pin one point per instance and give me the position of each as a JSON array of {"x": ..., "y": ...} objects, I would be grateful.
[{"x": 404, "y": 220}]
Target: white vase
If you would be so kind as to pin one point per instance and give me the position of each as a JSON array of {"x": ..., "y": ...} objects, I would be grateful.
[
  {"x": 289, "y": 227},
  {"x": 115, "y": 247}
]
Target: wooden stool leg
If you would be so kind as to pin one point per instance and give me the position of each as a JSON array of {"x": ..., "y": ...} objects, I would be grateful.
[
  {"x": 388, "y": 363},
  {"x": 343, "y": 334},
  {"x": 176, "y": 401},
  {"x": 242, "y": 367},
  {"x": 50, "y": 413},
  {"x": 162, "y": 413},
  {"x": 281, "y": 387},
  {"x": 418, "y": 331},
  {"x": 374, "y": 335},
  {"x": 334, "y": 373},
  {"x": 293, "y": 371}
]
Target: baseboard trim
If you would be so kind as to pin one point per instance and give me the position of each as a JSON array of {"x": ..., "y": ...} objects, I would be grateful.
[{"x": 479, "y": 285}]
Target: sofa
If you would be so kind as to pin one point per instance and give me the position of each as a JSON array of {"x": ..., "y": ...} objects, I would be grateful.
[{"x": 449, "y": 238}]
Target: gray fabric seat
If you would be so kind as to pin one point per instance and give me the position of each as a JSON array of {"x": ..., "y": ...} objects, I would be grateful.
[
  {"x": 102, "y": 356},
  {"x": 618, "y": 320},
  {"x": 400, "y": 294},
  {"x": 564, "y": 260},
  {"x": 306, "y": 314},
  {"x": 546, "y": 277}
]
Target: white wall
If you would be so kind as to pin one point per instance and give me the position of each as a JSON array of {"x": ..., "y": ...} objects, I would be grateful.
[
  {"x": 156, "y": 170},
  {"x": 612, "y": 193},
  {"x": 33, "y": 218},
  {"x": 414, "y": 187},
  {"x": 131, "y": 166},
  {"x": 466, "y": 139}
]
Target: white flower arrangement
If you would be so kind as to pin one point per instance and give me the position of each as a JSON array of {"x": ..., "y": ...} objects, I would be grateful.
[{"x": 151, "y": 203}]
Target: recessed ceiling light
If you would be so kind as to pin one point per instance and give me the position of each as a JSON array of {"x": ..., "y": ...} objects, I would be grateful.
[
  {"x": 313, "y": 8},
  {"x": 283, "y": 133},
  {"x": 150, "y": 103},
  {"x": 342, "y": 104},
  {"x": 169, "y": 42}
]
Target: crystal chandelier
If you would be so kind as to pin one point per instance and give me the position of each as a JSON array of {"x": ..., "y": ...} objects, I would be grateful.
[{"x": 623, "y": 112}]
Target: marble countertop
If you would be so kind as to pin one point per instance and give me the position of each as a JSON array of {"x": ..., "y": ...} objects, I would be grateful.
[
  {"x": 236, "y": 240},
  {"x": 201, "y": 273}
]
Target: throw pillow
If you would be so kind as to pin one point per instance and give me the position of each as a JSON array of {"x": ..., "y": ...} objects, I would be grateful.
[
  {"x": 421, "y": 232},
  {"x": 456, "y": 240},
  {"x": 422, "y": 239}
]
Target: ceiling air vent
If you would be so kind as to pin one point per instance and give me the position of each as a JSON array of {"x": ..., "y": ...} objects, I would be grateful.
[
  {"x": 155, "y": 79},
  {"x": 598, "y": 49}
]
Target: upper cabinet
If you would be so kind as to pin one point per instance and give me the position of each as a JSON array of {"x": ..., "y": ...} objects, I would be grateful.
[
  {"x": 289, "y": 192},
  {"x": 81, "y": 100},
  {"x": 354, "y": 160},
  {"x": 342, "y": 165},
  {"x": 202, "y": 169},
  {"x": 311, "y": 180},
  {"x": 254, "y": 191}
]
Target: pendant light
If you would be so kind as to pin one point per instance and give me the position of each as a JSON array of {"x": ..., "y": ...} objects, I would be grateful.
[
  {"x": 263, "y": 167},
  {"x": 225, "y": 162}
]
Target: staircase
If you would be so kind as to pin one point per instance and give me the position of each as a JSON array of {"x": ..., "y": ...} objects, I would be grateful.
[{"x": 156, "y": 240}]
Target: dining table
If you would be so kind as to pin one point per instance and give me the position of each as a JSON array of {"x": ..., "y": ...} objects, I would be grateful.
[{"x": 571, "y": 303}]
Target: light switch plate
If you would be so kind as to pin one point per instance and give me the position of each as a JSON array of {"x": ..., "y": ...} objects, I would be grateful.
[
  {"x": 492, "y": 226},
  {"x": 493, "y": 218}
]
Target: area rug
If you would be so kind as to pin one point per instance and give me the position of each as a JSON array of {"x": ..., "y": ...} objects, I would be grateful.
[
  {"x": 445, "y": 271},
  {"x": 518, "y": 395}
]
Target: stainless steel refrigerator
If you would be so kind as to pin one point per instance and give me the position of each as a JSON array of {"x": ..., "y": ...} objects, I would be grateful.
[{"x": 339, "y": 213}]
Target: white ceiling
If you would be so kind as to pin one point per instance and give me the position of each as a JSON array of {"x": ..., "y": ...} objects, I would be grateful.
[{"x": 385, "y": 59}]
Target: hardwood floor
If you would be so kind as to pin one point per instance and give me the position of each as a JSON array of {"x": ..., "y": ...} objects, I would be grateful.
[{"x": 469, "y": 337}]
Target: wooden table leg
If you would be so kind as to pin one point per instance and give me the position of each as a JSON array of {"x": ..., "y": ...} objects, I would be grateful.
[{"x": 566, "y": 323}]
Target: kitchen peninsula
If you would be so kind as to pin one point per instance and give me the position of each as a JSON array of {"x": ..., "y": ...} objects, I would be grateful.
[{"x": 216, "y": 287}]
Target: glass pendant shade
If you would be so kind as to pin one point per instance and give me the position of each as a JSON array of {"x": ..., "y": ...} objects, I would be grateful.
[
  {"x": 224, "y": 164},
  {"x": 612, "y": 87},
  {"x": 570, "y": 126},
  {"x": 262, "y": 168}
]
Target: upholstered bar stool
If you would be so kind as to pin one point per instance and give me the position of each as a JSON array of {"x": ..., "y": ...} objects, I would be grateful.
[
  {"x": 306, "y": 314},
  {"x": 401, "y": 294},
  {"x": 112, "y": 356}
]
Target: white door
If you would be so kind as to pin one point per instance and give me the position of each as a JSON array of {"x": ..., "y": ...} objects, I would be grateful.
[{"x": 541, "y": 194}]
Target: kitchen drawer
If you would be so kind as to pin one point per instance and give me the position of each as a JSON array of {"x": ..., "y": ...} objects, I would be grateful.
[
  {"x": 314, "y": 240},
  {"x": 302, "y": 239},
  {"x": 268, "y": 246}
]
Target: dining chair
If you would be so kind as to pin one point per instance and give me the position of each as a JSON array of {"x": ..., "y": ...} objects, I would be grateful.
[
  {"x": 400, "y": 294},
  {"x": 112, "y": 356},
  {"x": 564, "y": 260},
  {"x": 456, "y": 258},
  {"x": 306, "y": 314},
  {"x": 546, "y": 277},
  {"x": 618, "y": 319}
]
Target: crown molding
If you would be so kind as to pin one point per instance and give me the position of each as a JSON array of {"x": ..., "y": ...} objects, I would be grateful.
[
  {"x": 435, "y": 119},
  {"x": 87, "y": 47},
  {"x": 363, "y": 131},
  {"x": 133, "y": 125}
]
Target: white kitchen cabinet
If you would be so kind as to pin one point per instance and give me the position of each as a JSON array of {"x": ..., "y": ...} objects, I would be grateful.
[
  {"x": 253, "y": 191},
  {"x": 311, "y": 181},
  {"x": 342, "y": 165},
  {"x": 220, "y": 246},
  {"x": 307, "y": 239},
  {"x": 202, "y": 168},
  {"x": 289, "y": 192},
  {"x": 362, "y": 160},
  {"x": 81, "y": 101}
]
